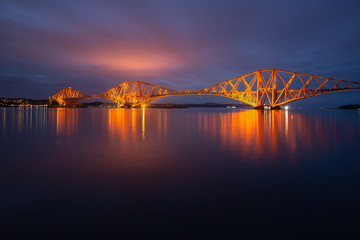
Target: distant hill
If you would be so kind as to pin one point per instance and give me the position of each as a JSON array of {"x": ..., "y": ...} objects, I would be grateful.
[
  {"x": 350, "y": 106},
  {"x": 100, "y": 104},
  {"x": 201, "y": 105}
]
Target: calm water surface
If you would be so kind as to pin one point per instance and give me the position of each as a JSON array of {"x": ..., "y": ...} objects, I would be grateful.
[{"x": 179, "y": 172}]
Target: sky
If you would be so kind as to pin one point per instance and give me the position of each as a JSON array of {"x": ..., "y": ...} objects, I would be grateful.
[{"x": 94, "y": 45}]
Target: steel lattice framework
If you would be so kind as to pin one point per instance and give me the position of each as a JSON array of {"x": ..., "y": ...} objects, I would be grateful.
[
  {"x": 268, "y": 87},
  {"x": 135, "y": 92},
  {"x": 68, "y": 97}
]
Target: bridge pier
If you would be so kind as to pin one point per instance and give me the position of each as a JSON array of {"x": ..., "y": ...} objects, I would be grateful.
[{"x": 267, "y": 108}]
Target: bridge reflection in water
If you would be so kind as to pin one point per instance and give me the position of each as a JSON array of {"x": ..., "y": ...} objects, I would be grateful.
[
  {"x": 218, "y": 167},
  {"x": 247, "y": 135},
  {"x": 250, "y": 135},
  {"x": 67, "y": 121}
]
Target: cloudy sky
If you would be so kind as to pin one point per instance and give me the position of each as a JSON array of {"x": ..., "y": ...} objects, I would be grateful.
[{"x": 93, "y": 45}]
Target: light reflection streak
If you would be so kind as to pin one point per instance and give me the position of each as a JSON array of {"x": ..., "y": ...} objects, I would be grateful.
[
  {"x": 3, "y": 113},
  {"x": 31, "y": 122},
  {"x": 133, "y": 119},
  {"x": 286, "y": 122},
  {"x": 143, "y": 123},
  {"x": 20, "y": 121},
  {"x": 66, "y": 121},
  {"x": 25, "y": 120}
]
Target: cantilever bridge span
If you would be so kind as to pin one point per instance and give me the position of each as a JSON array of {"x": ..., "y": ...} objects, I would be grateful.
[{"x": 267, "y": 87}]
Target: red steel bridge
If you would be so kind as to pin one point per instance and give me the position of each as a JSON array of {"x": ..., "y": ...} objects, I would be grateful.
[{"x": 262, "y": 88}]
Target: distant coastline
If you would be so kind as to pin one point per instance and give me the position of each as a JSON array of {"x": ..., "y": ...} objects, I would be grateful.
[{"x": 23, "y": 102}]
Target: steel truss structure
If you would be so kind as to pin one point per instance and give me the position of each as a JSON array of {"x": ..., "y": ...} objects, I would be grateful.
[{"x": 261, "y": 88}]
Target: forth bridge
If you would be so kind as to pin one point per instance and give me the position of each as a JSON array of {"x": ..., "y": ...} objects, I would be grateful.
[{"x": 267, "y": 88}]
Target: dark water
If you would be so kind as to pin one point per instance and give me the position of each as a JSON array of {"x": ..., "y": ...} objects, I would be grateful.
[{"x": 180, "y": 172}]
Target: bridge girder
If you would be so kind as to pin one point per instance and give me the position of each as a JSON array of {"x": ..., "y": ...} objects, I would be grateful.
[
  {"x": 68, "y": 97},
  {"x": 135, "y": 92},
  {"x": 267, "y": 87}
]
